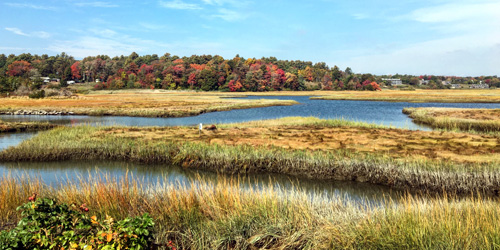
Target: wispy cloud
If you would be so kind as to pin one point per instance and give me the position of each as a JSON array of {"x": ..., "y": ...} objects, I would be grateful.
[
  {"x": 104, "y": 42},
  {"x": 17, "y": 31},
  {"x": 179, "y": 5},
  {"x": 97, "y": 4},
  {"x": 32, "y": 6},
  {"x": 39, "y": 34},
  {"x": 224, "y": 2},
  {"x": 468, "y": 43},
  {"x": 455, "y": 12}
]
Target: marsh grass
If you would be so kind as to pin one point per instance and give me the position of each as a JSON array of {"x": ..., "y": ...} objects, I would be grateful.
[
  {"x": 9, "y": 127},
  {"x": 418, "y": 95},
  {"x": 93, "y": 143},
  {"x": 139, "y": 103},
  {"x": 453, "y": 119},
  {"x": 220, "y": 215}
]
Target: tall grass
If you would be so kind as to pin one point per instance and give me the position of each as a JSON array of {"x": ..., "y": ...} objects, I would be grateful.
[
  {"x": 222, "y": 216},
  {"x": 90, "y": 143},
  {"x": 423, "y": 116}
]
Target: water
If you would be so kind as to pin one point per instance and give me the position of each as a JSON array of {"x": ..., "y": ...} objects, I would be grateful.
[
  {"x": 55, "y": 173},
  {"x": 385, "y": 113}
]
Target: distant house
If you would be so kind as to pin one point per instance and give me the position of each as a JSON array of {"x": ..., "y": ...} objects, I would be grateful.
[
  {"x": 479, "y": 86},
  {"x": 424, "y": 82},
  {"x": 393, "y": 81},
  {"x": 446, "y": 82},
  {"x": 45, "y": 79},
  {"x": 456, "y": 86}
]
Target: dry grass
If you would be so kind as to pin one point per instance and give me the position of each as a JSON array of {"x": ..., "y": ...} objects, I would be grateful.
[
  {"x": 222, "y": 216},
  {"x": 146, "y": 103},
  {"x": 481, "y": 120},
  {"x": 419, "y": 95},
  {"x": 318, "y": 149},
  {"x": 6, "y": 127},
  {"x": 313, "y": 134}
]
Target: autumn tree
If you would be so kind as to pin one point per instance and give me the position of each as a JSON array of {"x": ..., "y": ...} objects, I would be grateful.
[
  {"x": 75, "y": 71},
  {"x": 19, "y": 68}
]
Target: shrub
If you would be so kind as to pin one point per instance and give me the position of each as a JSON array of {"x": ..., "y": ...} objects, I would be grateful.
[
  {"x": 37, "y": 94},
  {"x": 48, "y": 225}
]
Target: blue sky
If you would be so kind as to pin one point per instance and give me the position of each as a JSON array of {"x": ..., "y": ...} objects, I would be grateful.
[{"x": 439, "y": 37}]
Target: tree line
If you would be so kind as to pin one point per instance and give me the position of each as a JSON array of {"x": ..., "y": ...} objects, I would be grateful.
[{"x": 197, "y": 72}]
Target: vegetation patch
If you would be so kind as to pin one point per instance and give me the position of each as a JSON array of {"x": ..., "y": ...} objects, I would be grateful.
[
  {"x": 309, "y": 147},
  {"x": 480, "y": 120},
  {"x": 221, "y": 215},
  {"x": 6, "y": 127},
  {"x": 418, "y": 95},
  {"x": 137, "y": 103},
  {"x": 45, "y": 224}
]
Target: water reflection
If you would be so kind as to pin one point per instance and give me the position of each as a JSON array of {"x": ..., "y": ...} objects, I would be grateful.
[
  {"x": 12, "y": 139},
  {"x": 55, "y": 173}
]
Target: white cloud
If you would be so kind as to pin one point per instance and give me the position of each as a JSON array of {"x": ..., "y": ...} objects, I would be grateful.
[
  {"x": 462, "y": 55},
  {"x": 32, "y": 6},
  {"x": 456, "y": 12},
  {"x": 105, "y": 42},
  {"x": 179, "y": 4},
  {"x": 223, "y": 2},
  {"x": 468, "y": 43},
  {"x": 17, "y": 31},
  {"x": 97, "y": 4},
  {"x": 39, "y": 34}
]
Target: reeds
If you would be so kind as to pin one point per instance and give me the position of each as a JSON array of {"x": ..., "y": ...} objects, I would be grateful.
[{"x": 220, "y": 215}]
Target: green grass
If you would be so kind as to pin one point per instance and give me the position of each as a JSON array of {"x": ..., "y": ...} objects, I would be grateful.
[
  {"x": 222, "y": 216},
  {"x": 91, "y": 143}
]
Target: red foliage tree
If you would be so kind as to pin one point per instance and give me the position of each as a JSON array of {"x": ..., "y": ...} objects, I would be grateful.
[
  {"x": 19, "y": 68},
  {"x": 75, "y": 70}
]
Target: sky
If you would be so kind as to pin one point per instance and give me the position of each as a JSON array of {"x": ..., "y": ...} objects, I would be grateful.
[{"x": 433, "y": 37}]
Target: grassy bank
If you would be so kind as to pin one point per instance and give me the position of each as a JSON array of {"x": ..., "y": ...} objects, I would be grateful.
[
  {"x": 481, "y": 120},
  {"x": 222, "y": 216},
  {"x": 308, "y": 147},
  {"x": 419, "y": 95},
  {"x": 143, "y": 103},
  {"x": 9, "y": 127}
]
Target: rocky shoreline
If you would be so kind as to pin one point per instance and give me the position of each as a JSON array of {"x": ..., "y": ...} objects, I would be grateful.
[{"x": 36, "y": 112}]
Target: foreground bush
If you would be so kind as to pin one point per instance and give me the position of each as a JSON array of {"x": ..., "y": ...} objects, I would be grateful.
[{"x": 48, "y": 225}]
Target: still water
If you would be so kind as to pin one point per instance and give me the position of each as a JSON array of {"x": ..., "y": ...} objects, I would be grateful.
[{"x": 386, "y": 113}]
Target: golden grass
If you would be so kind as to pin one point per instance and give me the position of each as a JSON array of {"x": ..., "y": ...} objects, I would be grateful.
[
  {"x": 221, "y": 215},
  {"x": 481, "y": 120},
  {"x": 313, "y": 134},
  {"x": 146, "y": 103},
  {"x": 318, "y": 149},
  {"x": 419, "y": 95}
]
